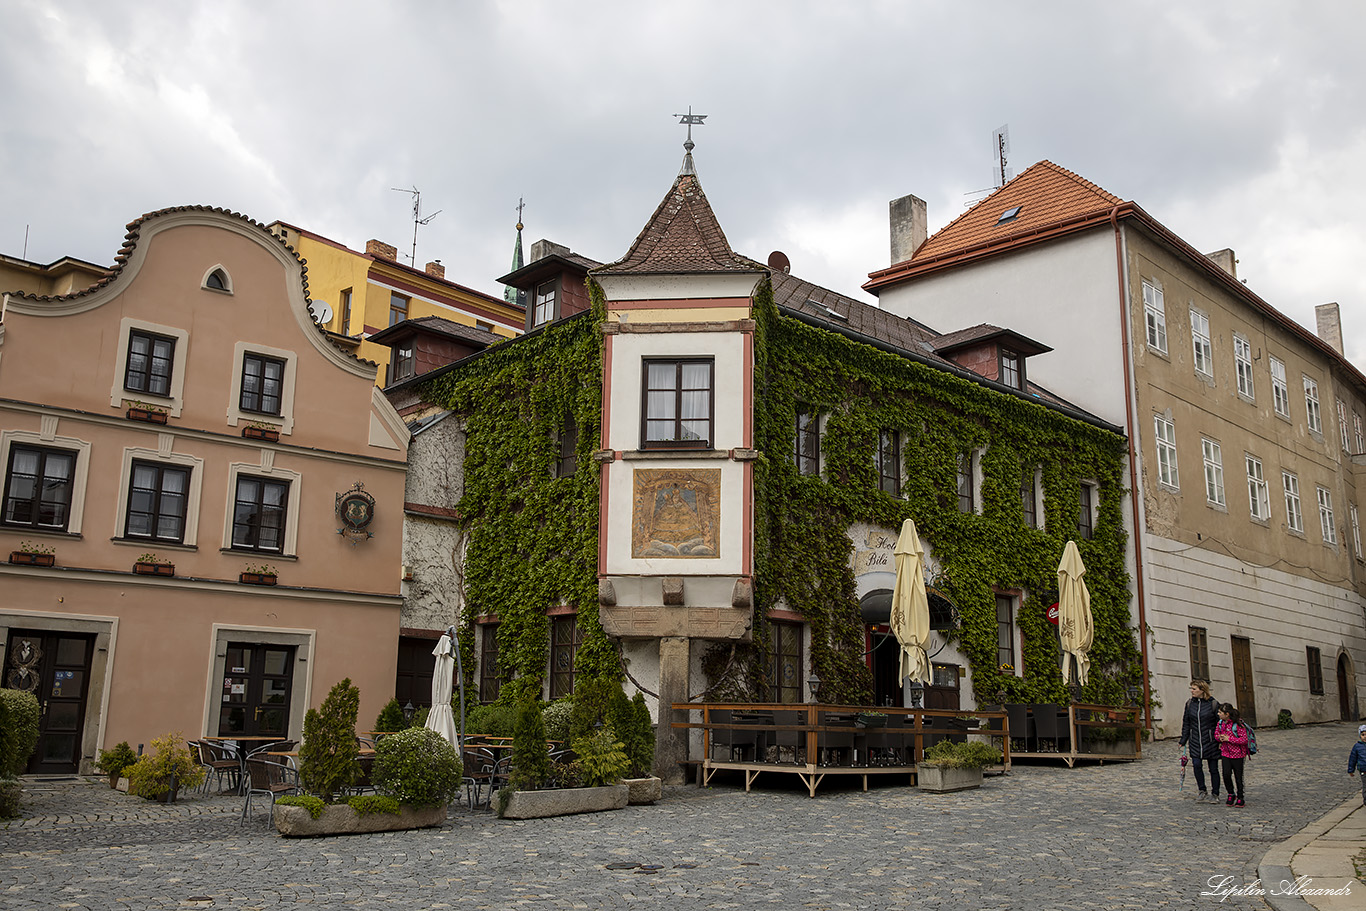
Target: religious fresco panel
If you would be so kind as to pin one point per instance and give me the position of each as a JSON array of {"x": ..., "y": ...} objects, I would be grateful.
[{"x": 676, "y": 512}]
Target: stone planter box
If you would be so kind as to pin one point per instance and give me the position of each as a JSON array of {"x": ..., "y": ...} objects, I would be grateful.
[
  {"x": 566, "y": 801},
  {"x": 943, "y": 779},
  {"x": 340, "y": 819},
  {"x": 643, "y": 790}
]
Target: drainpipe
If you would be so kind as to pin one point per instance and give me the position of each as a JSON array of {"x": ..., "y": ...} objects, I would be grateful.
[{"x": 1133, "y": 467}]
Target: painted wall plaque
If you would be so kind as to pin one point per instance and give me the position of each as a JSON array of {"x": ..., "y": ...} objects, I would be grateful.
[{"x": 676, "y": 512}]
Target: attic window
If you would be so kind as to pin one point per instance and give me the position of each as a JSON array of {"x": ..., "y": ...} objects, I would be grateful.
[
  {"x": 1009, "y": 214},
  {"x": 217, "y": 280},
  {"x": 822, "y": 307}
]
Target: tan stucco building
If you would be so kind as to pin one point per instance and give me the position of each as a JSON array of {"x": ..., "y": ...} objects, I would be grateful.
[
  {"x": 1246, "y": 430},
  {"x": 187, "y": 410}
]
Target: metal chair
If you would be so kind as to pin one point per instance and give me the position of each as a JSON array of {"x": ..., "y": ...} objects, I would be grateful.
[
  {"x": 1048, "y": 726},
  {"x": 479, "y": 763},
  {"x": 268, "y": 779},
  {"x": 790, "y": 743},
  {"x": 219, "y": 762},
  {"x": 1021, "y": 726}
]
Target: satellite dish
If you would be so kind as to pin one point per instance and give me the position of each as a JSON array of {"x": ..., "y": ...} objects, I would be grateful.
[{"x": 322, "y": 313}]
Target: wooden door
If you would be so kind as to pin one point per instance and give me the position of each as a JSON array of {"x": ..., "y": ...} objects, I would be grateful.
[
  {"x": 257, "y": 684},
  {"x": 885, "y": 657},
  {"x": 416, "y": 667},
  {"x": 1244, "y": 693},
  {"x": 55, "y": 668},
  {"x": 943, "y": 693},
  {"x": 1344, "y": 690}
]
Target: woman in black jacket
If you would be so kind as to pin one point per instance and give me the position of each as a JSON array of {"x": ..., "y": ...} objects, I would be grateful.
[{"x": 1197, "y": 732}]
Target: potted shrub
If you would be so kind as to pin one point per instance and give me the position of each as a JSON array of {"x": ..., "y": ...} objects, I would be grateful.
[
  {"x": 113, "y": 762},
  {"x": 417, "y": 773},
  {"x": 327, "y": 757},
  {"x": 149, "y": 564},
  {"x": 600, "y": 764},
  {"x": 149, "y": 414},
  {"x": 259, "y": 430},
  {"x": 31, "y": 554},
  {"x": 630, "y": 719},
  {"x": 258, "y": 574},
  {"x": 160, "y": 774},
  {"x": 952, "y": 766}
]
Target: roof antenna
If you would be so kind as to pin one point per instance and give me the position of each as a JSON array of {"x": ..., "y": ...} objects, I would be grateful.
[
  {"x": 1001, "y": 171},
  {"x": 689, "y": 118},
  {"x": 417, "y": 217}
]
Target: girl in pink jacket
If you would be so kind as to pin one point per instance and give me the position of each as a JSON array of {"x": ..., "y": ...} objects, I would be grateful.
[{"x": 1232, "y": 736}]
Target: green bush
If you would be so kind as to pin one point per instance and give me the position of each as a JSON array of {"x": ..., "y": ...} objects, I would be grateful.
[
  {"x": 327, "y": 758},
  {"x": 391, "y": 718},
  {"x": 365, "y": 804},
  {"x": 1284, "y": 720},
  {"x": 530, "y": 758},
  {"x": 494, "y": 720},
  {"x": 592, "y": 701},
  {"x": 417, "y": 767},
  {"x": 112, "y": 762},
  {"x": 10, "y": 790},
  {"x": 951, "y": 755},
  {"x": 18, "y": 731},
  {"x": 168, "y": 766},
  {"x": 640, "y": 749},
  {"x": 555, "y": 717},
  {"x": 312, "y": 804},
  {"x": 601, "y": 758}
]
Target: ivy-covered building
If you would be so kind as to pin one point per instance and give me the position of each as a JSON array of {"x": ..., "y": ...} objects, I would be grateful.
[{"x": 695, "y": 486}]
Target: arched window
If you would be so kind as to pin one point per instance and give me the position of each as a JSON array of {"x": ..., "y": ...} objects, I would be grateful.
[{"x": 216, "y": 279}]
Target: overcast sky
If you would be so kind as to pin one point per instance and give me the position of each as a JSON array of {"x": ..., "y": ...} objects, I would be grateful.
[{"x": 1236, "y": 124}]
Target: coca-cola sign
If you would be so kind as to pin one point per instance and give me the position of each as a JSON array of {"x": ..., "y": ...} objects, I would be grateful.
[{"x": 1053, "y": 613}]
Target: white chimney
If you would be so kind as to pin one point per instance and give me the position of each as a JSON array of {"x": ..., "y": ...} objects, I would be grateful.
[
  {"x": 1225, "y": 260},
  {"x": 910, "y": 226},
  {"x": 1329, "y": 321}
]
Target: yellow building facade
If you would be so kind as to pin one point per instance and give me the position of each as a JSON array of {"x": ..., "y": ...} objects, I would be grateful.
[{"x": 366, "y": 292}]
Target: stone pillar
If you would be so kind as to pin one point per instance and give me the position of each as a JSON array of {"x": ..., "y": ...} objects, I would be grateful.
[{"x": 671, "y": 745}]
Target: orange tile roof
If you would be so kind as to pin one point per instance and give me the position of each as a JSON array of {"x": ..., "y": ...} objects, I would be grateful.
[{"x": 1045, "y": 193}]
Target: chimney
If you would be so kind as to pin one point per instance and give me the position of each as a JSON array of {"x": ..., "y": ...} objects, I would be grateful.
[
  {"x": 380, "y": 250},
  {"x": 435, "y": 269},
  {"x": 910, "y": 227},
  {"x": 543, "y": 248},
  {"x": 1329, "y": 321},
  {"x": 1225, "y": 260}
]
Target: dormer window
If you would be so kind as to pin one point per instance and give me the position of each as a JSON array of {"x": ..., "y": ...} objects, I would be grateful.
[
  {"x": 545, "y": 304},
  {"x": 1009, "y": 214},
  {"x": 1012, "y": 369}
]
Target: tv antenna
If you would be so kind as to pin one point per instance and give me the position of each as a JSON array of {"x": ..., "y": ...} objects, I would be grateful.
[
  {"x": 418, "y": 219},
  {"x": 1001, "y": 171}
]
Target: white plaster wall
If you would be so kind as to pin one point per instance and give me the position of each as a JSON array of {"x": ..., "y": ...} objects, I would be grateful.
[
  {"x": 1063, "y": 294},
  {"x": 1280, "y": 613},
  {"x": 729, "y": 372},
  {"x": 619, "y": 507}
]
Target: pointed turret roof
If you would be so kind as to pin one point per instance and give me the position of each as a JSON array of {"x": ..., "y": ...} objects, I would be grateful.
[{"x": 683, "y": 236}]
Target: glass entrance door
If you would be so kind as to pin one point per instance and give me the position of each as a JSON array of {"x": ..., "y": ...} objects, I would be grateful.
[
  {"x": 55, "y": 668},
  {"x": 257, "y": 682}
]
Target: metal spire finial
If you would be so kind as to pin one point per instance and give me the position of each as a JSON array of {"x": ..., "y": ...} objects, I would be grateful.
[
  {"x": 520, "y": 206},
  {"x": 689, "y": 118}
]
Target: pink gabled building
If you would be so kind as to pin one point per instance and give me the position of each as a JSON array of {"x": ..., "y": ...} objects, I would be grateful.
[{"x": 187, "y": 410}]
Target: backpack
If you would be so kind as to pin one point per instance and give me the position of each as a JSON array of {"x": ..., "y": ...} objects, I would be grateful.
[{"x": 1251, "y": 740}]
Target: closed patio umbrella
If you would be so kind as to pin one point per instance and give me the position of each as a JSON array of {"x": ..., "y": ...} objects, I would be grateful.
[
  {"x": 1074, "y": 614},
  {"x": 910, "y": 620},
  {"x": 441, "y": 719}
]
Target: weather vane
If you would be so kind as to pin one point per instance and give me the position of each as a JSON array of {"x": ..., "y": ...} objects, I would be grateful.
[{"x": 690, "y": 118}]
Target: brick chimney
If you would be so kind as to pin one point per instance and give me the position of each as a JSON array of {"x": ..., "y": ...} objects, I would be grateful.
[
  {"x": 1225, "y": 260},
  {"x": 910, "y": 226},
  {"x": 435, "y": 269},
  {"x": 543, "y": 248},
  {"x": 1329, "y": 321},
  {"x": 380, "y": 250}
]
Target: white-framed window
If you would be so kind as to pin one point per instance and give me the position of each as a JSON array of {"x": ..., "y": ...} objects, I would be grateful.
[
  {"x": 1357, "y": 433},
  {"x": 544, "y": 307},
  {"x": 1280, "y": 392},
  {"x": 1214, "y": 472},
  {"x": 45, "y": 478},
  {"x": 1311, "y": 405},
  {"x": 1342, "y": 426},
  {"x": 1258, "y": 498},
  {"x": 1356, "y": 529},
  {"x": 1088, "y": 502},
  {"x": 1165, "y": 433},
  {"x": 261, "y": 512},
  {"x": 149, "y": 365},
  {"x": 966, "y": 482},
  {"x": 1330, "y": 535},
  {"x": 217, "y": 279},
  {"x": 1242, "y": 359},
  {"x": 262, "y": 386},
  {"x": 1155, "y": 314},
  {"x": 1294, "y": 517},
  {"x": 159, "y": 494},
  {"x": 1203, "y": 353}
]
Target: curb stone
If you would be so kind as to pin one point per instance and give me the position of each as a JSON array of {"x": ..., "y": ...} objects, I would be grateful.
[{"x": 1275, "y": 864}]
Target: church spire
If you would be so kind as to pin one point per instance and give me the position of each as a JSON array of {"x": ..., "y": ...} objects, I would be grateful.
[{"x": 510, "y": 294}]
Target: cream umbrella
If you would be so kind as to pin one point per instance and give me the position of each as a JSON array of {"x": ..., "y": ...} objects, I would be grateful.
[
  {"x": 910, "y": 618},
  {"x": 1074, "y": 614},
  {"x": 441, "y": 719}
]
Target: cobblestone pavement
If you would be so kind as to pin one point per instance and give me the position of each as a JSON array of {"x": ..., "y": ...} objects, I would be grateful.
[{"x": 1095, "y": 837}]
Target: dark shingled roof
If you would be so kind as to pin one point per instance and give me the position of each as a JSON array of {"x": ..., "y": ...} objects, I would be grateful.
[
  {"x": 682, "y": 237},
  {"x": 986, "y": 332},
  {"x": 441, "y": 326}
]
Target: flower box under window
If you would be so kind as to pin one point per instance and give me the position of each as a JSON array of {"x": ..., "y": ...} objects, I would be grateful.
[
  {"x": 147, "y": 415},
  {"x": 269, "y": 434},
  {"x": 257, "y": 578},
  {"x": 24, "y": 558},
  {"x": 154, "y": 569}
]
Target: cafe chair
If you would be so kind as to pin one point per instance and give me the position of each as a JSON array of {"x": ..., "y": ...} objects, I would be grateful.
[
  {"x": 789, "y": 746},
  {"x": 218, "y": 762},
  {"x": 268, "y": 779},
  {"x": 1021, "y": 727},
  {"x": 1050, "y": 726}
]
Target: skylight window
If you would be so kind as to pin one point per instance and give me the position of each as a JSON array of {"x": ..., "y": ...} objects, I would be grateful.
[{"x": 1009, "y": 214}]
